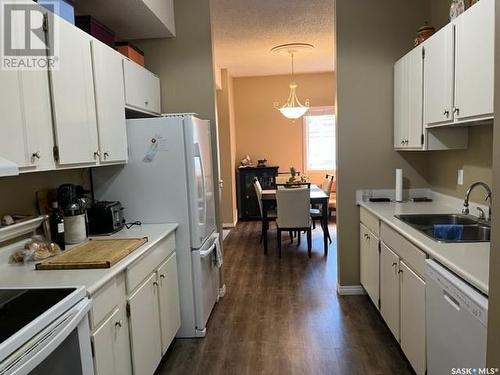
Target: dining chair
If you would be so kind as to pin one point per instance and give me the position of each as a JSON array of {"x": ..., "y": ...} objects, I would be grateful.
[
  {"x": 293, "y": 206},
  {"x": 282, "y": 178},
  {"x": 271, "y": 214},
  {"x": 316, "y": 212}
]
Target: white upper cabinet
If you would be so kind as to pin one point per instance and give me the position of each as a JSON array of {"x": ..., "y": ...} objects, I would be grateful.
[
  {"x": 142, "y": 88},
  {"x": 439, "y": 77},
  {"x": 408, "y": 87},
  {"x": 26, "y": 127},
  {"x": 456, "y": 87},
  {"x": 73, "y": 99},
  {"x": 12, "y": 124},
  {"x": 474, "y": 62},
  {"x": 110, "y": 103},
  {"x": 38, "y": 120}
]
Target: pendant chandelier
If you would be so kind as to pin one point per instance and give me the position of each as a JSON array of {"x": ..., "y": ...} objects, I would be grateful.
[{"x": 293, "y": 108}]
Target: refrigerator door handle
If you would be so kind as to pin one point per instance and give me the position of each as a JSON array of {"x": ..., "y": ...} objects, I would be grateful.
[
  {"x": 197, "y": 155},
  {"x": 205, "y": 253}
]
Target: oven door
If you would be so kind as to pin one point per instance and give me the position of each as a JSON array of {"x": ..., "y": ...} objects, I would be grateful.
[{"x": 63, "y": 347}]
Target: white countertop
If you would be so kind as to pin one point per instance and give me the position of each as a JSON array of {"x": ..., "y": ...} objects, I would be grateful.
[
  {"x": 25, "y": 275},
  {"x": 470, "y": 261}
]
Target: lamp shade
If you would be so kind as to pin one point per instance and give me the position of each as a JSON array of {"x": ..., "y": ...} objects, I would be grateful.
[{"x": 293, "y": 113}]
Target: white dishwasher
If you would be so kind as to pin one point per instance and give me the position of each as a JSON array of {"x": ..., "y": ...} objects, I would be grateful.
[{"x": 456, "y": 316}]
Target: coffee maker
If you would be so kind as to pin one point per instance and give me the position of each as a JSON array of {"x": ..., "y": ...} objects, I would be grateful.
[{"x": 73, "y": 204}]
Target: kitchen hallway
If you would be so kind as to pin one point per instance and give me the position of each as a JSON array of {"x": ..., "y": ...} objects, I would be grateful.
[{"x": 283, "y": 316}]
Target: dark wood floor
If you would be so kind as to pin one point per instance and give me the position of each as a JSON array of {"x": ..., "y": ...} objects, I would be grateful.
[{"x": 283, "y": 316}]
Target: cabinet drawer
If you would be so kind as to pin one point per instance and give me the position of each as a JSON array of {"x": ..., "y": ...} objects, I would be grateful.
[
  {"x": 412, "y": 255},
  {"x": 107, "y": 298},
  {"x": 147, "y": 264},
  {"x": 370, "y": 221}
]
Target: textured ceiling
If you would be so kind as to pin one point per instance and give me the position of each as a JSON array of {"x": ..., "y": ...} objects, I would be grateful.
[{"x": 246, "y": 30}]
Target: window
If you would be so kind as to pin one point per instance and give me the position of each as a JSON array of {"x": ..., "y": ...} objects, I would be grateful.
[{"x": 319, "y": 139}]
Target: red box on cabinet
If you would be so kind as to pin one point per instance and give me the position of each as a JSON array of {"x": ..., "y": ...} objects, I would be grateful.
[
  {"x": 131, "y": 51},
  {"x": 93, "y": 27}
]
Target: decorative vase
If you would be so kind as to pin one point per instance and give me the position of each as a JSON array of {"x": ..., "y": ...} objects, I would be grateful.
[
  {"x": 425, "y": 32},
  {"x": 457, "y": 8}
]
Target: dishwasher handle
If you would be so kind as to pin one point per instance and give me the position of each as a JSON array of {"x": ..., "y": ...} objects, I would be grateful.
[{"x": 452, "y": 301}]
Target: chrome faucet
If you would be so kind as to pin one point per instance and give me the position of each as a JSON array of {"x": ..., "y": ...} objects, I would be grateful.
[{"x": 465, "y": 209}]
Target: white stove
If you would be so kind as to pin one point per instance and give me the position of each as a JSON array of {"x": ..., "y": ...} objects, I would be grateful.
[{"x": 45, "y": 331}]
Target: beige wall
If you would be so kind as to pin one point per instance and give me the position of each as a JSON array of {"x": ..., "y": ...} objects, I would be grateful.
[
  {"x": 439, "y": 13},
  {"x": 184, "y": 63},
  {"x": 493, "y": 356},
  {"x": 368, "y": 44},
  {"x": 476, "y": 162},
  {"x": 227, "y": 145},
  {"x": 263, "y": 132},
  {"x": 185, "y": 67},
  {"x": 18, "y": 193}
]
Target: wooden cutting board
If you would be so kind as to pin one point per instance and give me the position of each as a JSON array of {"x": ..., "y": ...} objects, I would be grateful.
[{"x": 93, "y": 254}]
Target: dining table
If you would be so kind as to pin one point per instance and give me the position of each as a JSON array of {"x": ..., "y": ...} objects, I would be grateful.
[{"x": 318, "y": 198}]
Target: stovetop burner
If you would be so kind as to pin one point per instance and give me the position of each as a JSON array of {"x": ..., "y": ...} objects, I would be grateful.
[{"x": 19, "y": 307}]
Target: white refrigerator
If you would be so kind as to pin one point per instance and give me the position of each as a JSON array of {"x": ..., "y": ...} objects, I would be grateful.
[{"x": 169, "y": 178}]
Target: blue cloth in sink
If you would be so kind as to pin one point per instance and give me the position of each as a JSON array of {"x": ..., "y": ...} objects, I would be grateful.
[{"x": 448, "y": 232}]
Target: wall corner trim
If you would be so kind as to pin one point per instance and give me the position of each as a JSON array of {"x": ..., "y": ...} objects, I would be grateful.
[{"x": 350, "y": 290}]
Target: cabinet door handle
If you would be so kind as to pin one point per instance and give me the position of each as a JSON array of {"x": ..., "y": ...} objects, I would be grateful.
[
  {"x": 36, "y": 155},
  {"x": 146, "y": 103},
  {"x": 162, "y": 276},
  {"x": 96, "y": 154},
  {"x": 106, "y": 155},
  {"x": 155, "y": 283},
  {"x": 446, "y": 113},
  {"x": 394, "y": 264},
  {"x": 119, "y": 324},
  {"x": 456, "y": 110},
  {"x": 400, "y": 271}
]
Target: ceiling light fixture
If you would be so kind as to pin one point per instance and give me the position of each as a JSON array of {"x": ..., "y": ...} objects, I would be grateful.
[{"x": 292, "y": 109}]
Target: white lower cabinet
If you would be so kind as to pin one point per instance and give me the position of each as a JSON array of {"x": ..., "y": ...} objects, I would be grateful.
[
  {"x": 389, "y": 289},
  {"x": 170, "y": 317},
  {"x": 369, "y": 263},
  {"x": 145, "y": 334},
  {"x": 112, "y": 345},
  {"x": 402, "y": 305},
  {"x": 136, "y": 315},
  {"x": 413, "y": 318}
]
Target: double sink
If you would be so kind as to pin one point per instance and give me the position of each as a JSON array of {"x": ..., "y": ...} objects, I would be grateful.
[{"x": 472, "y": 229}]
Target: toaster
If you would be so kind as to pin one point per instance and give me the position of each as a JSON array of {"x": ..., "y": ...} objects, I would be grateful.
[{"x": 105, "y": 217}]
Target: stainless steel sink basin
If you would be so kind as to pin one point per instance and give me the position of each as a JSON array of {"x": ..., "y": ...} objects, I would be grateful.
[
  {"x": 432, "y": 219},
  {"x": 474, "y": 230}
]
